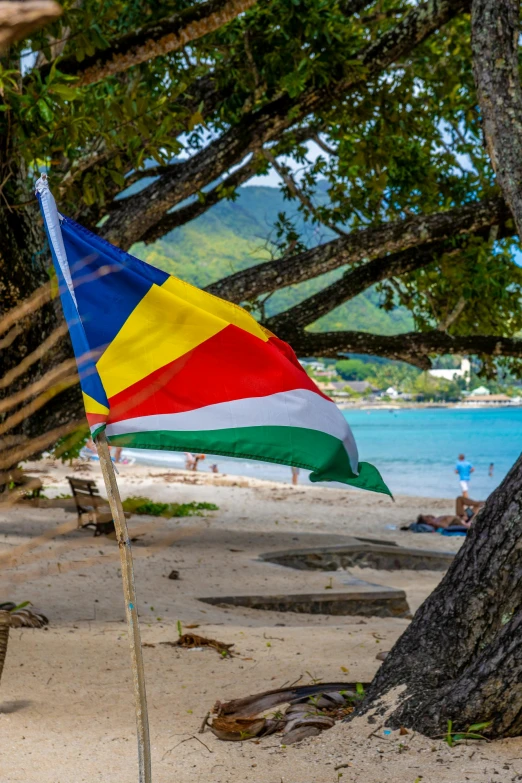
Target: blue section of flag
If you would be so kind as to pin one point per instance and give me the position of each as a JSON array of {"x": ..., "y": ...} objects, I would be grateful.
[
  {"x": 85, "y": 359},
  {"x": 108, "y": 283}
]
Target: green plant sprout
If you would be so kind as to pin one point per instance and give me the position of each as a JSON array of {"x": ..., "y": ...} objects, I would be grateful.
[{"x": 453, "y": 738}]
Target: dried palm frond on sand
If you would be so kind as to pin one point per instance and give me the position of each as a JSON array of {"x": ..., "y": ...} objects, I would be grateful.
[
  {"x": 311, "y": 709},
  {"x": 21, "y": 617},
  {"x": 12, "y": 616},
  {"x": 192, "y": 640}
]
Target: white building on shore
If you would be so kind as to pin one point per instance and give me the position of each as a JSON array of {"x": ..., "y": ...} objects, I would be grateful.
[{"x": 452, "y": 374}]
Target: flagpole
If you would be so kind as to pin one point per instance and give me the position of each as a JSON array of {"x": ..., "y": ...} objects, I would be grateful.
[{"x": 131, "y": 610}]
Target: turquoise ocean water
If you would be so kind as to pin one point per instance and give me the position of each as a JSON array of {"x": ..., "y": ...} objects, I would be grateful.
[{"x": 415, "y": 450}]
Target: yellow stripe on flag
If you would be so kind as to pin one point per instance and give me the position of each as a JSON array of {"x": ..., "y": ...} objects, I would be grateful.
[
  {"x": 93, "y": 406},
  {"x": 231, "y": 313},
  {"x": 160, "y": 329}
]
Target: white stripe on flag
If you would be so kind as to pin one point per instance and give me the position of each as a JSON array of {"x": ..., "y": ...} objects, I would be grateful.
[{"x": 298, "y": 408}]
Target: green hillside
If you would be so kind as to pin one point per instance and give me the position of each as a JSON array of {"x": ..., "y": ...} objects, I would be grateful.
[{"x": 234, "y": 235}]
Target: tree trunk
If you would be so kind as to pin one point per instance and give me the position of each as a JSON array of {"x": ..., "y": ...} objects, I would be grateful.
[
  {"x": 24, "y": 261},
  {"x": 5, "y": 622},
  {"x": 495, "y": 45},
  {"x": 461, "y": 657}
]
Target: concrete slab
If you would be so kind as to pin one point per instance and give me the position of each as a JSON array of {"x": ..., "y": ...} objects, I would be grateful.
[
  {"x": 362, "y": 599},
  {"x": 361, "y": 553}
]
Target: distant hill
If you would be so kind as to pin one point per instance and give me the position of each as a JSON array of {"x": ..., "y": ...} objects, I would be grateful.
[{"x": 234, "y": 235}]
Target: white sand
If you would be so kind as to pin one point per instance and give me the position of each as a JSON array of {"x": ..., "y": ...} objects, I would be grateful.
[{"x": 66, "y": 705}]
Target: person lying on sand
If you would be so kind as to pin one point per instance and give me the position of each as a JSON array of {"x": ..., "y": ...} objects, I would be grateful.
[
  {"x": 466, "y": 511},
  {"x": 444, "y": 522}
]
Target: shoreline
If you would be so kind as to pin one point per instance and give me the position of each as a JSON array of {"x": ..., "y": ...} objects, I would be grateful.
[{"x": 399, "y": 405}]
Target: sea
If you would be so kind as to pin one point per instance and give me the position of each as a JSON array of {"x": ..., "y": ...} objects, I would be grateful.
[{"x": 414, "y": 449}]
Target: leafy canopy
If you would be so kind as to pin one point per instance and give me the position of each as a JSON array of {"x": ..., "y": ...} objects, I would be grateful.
[{"x": 407, "y": 142}]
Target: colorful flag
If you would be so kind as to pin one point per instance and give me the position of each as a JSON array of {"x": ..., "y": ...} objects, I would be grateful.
[{"x": 164, "y": 365}]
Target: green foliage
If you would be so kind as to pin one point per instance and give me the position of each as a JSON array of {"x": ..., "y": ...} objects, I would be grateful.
[
  {"x": 143, "y": 505},
  {"x": 406, "y": 143},
  {"x": 400, "y": 375},
  {"x": 68, "y": 448},
  {"x": 354, "y": 369}
]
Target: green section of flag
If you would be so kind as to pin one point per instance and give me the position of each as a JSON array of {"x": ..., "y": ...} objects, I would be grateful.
[{"x": 319, "y": 452}]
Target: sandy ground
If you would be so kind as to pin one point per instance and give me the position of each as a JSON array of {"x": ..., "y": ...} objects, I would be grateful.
[{"x": 66, "y": 704}]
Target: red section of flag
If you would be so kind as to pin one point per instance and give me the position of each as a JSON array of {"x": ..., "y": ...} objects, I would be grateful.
[
  {"x": 231, "y": 365},
  {"x": 96, "y": 418}
]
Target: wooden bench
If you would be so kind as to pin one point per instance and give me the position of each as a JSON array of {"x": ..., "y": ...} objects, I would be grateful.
[{"x": 93, "y": 510}]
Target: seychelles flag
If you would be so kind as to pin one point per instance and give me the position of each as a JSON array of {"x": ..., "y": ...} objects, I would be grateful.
[{"x": 164, "y": 365}]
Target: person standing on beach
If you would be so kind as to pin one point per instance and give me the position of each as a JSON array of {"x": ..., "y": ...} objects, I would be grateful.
[{"x": 464, "y": 469}]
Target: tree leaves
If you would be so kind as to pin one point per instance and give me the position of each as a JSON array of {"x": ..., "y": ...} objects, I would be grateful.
[{"x": 407, "y": 142}]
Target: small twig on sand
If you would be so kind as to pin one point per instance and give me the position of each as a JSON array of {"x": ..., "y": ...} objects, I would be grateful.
[
  {"x": 187, "y": 739},
  {"x": 341, "y": 766},
  {"x": 277, "y": 638},
  {"x": 371, "y": 734},
  {"x": 202, "y": 743}
]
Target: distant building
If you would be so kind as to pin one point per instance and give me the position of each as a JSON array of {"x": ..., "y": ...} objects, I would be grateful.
[
  {"x": 391, "y": 392},
  {"x": 490, "y": 400},
  {"x": 480, "y": 391},
  {"x": 452, "y": 374}
]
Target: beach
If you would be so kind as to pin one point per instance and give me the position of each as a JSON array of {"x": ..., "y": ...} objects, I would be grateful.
[{"x": 66, "y": 705}]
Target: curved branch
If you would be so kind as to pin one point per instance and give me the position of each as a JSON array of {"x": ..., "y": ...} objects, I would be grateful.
[
  {"x": 208, "y": 199},
  {"x": 495, "y": 25},
  {"x": 365, "y": 243},
  {"x": 140, "y": 212},
  {"x": 412, "y": 347},
  {"x": 353, "y": 283},
  {"x": 153, "y": 40}
]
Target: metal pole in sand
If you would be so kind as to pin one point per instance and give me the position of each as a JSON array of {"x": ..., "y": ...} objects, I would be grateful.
[{"x": 131, "y": 610}]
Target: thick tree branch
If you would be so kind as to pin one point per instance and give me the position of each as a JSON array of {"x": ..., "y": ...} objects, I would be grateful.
[
  {"x": 495, "y": 25},
  {"x": 139, "y": 213},
  {"x": 207, "y": 199},
  {"x": 154, "y": 40},
  {"x": 353, "y": 283},
  {"x": 365, "y": 243},
  {"x": 412, "y": 347},
  {"x": 18, "y": 19}
]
